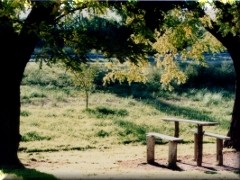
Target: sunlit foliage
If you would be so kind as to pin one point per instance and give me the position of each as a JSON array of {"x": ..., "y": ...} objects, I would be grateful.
[
  {"x": 182, "y": 38},
  {"x": 126, "y": 72}
]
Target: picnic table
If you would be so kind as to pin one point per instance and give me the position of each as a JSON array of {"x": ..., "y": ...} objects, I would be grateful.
[{"x": 199, "y": 134}]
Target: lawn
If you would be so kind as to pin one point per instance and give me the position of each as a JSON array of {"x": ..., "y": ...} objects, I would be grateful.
[{"x": 54, "y": 118}]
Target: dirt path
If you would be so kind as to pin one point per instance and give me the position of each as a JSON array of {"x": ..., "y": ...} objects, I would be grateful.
[{"x": 129, "y": 162}]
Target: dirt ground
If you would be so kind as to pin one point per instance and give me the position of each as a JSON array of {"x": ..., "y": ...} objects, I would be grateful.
[{"x": 129, "y": 162}]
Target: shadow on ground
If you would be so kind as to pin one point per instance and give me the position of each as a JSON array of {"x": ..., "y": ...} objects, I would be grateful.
[
  {"x": 174, "y": 168},
  {"x": 141, "y": 92},
  {"x": 26, "y": 173}
]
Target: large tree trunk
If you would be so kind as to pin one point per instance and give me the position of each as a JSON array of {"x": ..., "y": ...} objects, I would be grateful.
[
  {"x": 9, "y": 117},
  {"x": 15, "y": 52},
  {"x": 10, "y": 95},
  {"x": 234, "y": 131}
]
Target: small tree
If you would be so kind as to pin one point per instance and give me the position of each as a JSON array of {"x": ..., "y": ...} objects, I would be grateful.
[{"x": 84, "y": 78}]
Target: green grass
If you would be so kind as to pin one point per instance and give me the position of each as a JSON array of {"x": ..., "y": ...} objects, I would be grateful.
[
  {"x": 33, "y": 136},
  {"x": 105, "y": 112},
  {"x": 131, "y": 132},
  {"x": 53, "y": 116}
]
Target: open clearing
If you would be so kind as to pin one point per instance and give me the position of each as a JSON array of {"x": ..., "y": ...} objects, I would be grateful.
[{"x": 61, "y": 139}]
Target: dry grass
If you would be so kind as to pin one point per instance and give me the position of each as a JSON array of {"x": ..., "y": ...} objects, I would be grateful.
[{"x": 54, "y": 113}]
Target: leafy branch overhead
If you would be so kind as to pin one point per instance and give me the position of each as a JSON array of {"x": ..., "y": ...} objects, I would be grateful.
[
  {"x": 182, "y": 38},
  {"x": 178, "y": 32},
  {"x": 79, "y": 34}
]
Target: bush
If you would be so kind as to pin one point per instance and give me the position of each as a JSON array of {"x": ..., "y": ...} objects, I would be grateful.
[{"x": 212, "y": 99}]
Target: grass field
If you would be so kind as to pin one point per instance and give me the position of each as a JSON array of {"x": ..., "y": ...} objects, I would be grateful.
[{"x": 54, "y": 118}]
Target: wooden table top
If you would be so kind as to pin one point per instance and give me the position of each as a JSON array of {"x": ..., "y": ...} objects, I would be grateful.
[{"x": 202, "y": 123}]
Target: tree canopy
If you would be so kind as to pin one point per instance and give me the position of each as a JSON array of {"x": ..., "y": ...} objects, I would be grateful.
[{"x": 177, "y": 31}]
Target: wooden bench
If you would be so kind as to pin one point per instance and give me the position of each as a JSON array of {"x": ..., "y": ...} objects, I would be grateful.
[
  {"x": 172, "y": 153},
  {"x": 219, "y": 143}
]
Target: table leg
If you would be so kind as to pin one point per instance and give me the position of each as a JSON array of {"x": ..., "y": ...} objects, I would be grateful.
[
  {"x": 176, "y": 133},
  {"x": 199, "y": 148}
]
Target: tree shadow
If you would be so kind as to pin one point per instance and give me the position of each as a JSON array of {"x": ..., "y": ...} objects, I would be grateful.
[
  {"x": 25, "y": 173},
  {"x": 174, "y": 110},
  {"x": 209, "y": 169},
  {"x": 141, "y": 93},
  {"x": 237, "y": 172}
]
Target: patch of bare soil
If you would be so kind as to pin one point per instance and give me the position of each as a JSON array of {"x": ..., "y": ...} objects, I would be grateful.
[
  {"x": 129, "y": 162},
  {"x": 186, "y": 163}
]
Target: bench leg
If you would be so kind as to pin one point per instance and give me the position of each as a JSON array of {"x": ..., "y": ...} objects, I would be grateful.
[
  {"x": 172, "y": 154},
  {"x": 150, "y": 149},
  {"x": 199, "y": 145},
  {"x": 219, "y": 152}
]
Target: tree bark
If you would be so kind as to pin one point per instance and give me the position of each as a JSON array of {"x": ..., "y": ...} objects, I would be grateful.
[
  {"x": 15, "y": 52},
  {"x": 10, "y": 95},
  {"x": 234, "y": 130}
]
